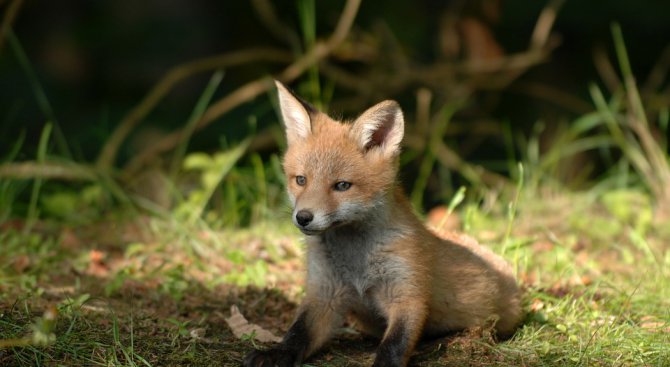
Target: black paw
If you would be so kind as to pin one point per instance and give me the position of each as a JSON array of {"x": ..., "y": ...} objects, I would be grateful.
[
  {"x": 270, "y": 358},
  {"x": 387, "y": 361}
]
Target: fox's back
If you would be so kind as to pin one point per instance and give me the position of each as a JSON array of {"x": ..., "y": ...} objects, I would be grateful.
[{"x": 476, "y": 284}]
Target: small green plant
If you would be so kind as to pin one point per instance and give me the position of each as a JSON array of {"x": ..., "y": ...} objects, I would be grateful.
[
  {"x": 42, "y": 332},
  {"x": 213, "y": 169},
  {"x": 130, "y": 357},
  {"x": 173, "y": 282},
  {"x": 197, "y": 113},
  {"x": 626, "y": 120}
]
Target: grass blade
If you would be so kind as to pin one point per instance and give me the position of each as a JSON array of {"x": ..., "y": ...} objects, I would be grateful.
[
  {"x": 512, "y": 207},
  {"x": 307, "y": 14},
  {"x": 198, "y": 111},
  {"x": 37, "y": 184},
  {"x": 426, "y": 168},
  {"x": 38, "y": 91}
]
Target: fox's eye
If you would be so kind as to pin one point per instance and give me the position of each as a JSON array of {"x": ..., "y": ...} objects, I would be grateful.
[
  {"x": 342, "y": 186},
  {"x": 300, "y": 180}
]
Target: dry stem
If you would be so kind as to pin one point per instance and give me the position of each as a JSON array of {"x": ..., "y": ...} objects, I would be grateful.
[
  {"x": 254, "y": 88},
  {"x": 33, "y": 170},
  {"x": 7, "y": 21},
  {"x": 165, "y": 85}
]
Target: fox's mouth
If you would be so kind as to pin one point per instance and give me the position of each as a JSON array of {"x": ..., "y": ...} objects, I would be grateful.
[
  {"x": 313, "y": 232},
  {"x": 309, "y": 232}
]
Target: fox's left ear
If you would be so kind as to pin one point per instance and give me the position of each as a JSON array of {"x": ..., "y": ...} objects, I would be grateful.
[{"x": 382, "y": 126}]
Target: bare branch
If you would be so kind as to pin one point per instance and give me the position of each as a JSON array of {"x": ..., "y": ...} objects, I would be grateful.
[
  {"x": 53, "y": 170},
  {"x": 7, "y": 21},
  {"x": 254, "y": 88},
  {"x": 545, "y": 22},
  {"x": 268, "y": 16},
  {"x": 165, "y": 85}
]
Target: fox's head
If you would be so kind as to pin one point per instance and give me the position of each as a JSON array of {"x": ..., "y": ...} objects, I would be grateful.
[{"x": 339, "y": 173}]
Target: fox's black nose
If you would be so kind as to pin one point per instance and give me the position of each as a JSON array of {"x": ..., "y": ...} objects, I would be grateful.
[{"x": 304, "y": 217}]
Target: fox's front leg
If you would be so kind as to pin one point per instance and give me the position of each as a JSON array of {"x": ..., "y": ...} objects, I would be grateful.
[
  {"x": 312, "y": 327},
  {"x": 406, "y": 317}
]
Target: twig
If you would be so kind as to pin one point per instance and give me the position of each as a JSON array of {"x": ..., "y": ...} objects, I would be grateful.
[
  {"x": 268, "y": 16},
  {"x": 450, "y": 159},
  {"x": 11, "y": 343},
  {"x": 254, "y": 88},
  {"x": 47, "y": 170},
  {"x": 424, "y": 98},
  {"x": 321, "y": 50},
  {"x": 241, "y": 95},
  {"x": 7, "y": 21},
  {"x": 638, "y": 118},
  {"x": 659, "y": 72},
  {"x": 540, "y": 47},
  {"x": 165, "y": 85},
  {"x": 474, "y": 174},
  {"x": 344, "y": 78},
  {"x": 554, "y": 95},
  {"x": 606, "y": 70},
  {"x": 545, "y": 22}
]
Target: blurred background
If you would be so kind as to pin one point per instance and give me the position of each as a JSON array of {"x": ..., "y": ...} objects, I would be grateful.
[
  {"x": 142, "y": 195},
  {"x": 494, "y": 82}
]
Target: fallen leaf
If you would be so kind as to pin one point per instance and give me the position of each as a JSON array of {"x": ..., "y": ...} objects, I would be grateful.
[
  {"x": 69, "y": 239},
  {"x": 478, "y": 40},
  {"x": 241, "y": 327},
  {"x": 653, "y": 325},
  {"x": 21, "y": 263},
  {"x": 542, "y": 246},
  {"x": 441, "y": 220},
  {"x": 97, "y": 256},
  {"x": 97, "y": 266},
  {"x": 536, "y": 305}
]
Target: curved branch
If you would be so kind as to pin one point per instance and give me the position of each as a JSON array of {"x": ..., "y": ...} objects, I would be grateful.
[
  {"x": 7, "y": 21},
  {"x": 254, "y": 88},
  {"x": 544, "y": 24},
  {"x": 32, "y": 170},
  {"x": 165, "y": 85}
]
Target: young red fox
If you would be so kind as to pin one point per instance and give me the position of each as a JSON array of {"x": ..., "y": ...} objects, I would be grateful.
[{"x": 368, "y": 256}]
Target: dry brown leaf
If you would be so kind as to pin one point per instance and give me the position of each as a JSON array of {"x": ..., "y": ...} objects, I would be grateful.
[
  {"x": 97, "y": 266},
  {"x": 478, "y": 40},
  {"x": 441, "y": 220},
  {"x": 241, "y": 327},
  {"x": 21, "y": 263},
  {"x": 651, "y": 324},
  {"x": 97, "y": 256},
  {"x": 536, "y": 305}
]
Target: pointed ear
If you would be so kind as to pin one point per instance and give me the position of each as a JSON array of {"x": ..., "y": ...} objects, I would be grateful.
[
  {"x": 382, "y": 126},
  {"x": 295, "y": 113}
]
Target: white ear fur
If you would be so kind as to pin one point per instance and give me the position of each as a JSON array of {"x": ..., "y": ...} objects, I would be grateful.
[
  {"x": 296, "y": 118},
  {"x": 382, "y": 126}
]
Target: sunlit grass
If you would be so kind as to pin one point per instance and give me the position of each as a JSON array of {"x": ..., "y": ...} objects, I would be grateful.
[
  {"x": 139, "y": 283},
  {"x": 593, "y": 297}
]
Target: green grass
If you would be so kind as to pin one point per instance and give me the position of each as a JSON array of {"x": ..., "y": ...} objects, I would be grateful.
[
  {"x": 95, "y": 275},
  {"x": 594, "y": 295}
]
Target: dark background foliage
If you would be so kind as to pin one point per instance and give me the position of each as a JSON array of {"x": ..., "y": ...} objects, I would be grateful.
[{"x": 95, "y": 60}]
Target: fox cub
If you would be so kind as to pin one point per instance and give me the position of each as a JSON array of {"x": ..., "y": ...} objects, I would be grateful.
[{"x": 369, "y": 257}]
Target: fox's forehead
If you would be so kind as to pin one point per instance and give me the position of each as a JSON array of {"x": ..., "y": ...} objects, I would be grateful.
[{"x": 329, "y": 151}]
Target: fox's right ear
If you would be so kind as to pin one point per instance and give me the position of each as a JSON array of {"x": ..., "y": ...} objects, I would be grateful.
[{"x": 295, "y": 113}]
